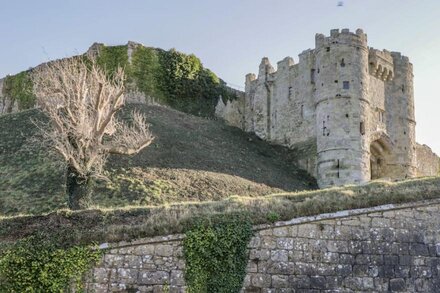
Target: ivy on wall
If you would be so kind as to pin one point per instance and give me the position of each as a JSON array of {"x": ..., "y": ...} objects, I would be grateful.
[
  {"x": 216, "y": 255},
  {"x": 174, "y": 78},
  {"x": 38, "y": 264},
  {"x": 18, "y": 89},
  {"x": 110, "y": 58}
]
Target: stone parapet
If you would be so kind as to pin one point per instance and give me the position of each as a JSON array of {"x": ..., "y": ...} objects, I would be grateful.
[{"x": 390, "y": 248}]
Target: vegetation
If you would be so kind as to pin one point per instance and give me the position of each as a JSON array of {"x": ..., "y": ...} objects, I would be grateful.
[
  {"x": 37, "y": 264},
  {"x": 216, "y": 255},
  {"x": 81, "y": 102},
  {"x": 170, "y": 77},
  {"x": 191, "y": 159},
  {"x": 135, "y": 222},
  {"x": 18, "y": 89}
]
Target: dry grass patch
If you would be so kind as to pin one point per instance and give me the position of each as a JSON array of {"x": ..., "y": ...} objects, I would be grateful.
[{"x": 135, "y": 222}]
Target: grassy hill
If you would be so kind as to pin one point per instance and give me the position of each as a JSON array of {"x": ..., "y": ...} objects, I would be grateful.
[{"x": 191, "y": 159}]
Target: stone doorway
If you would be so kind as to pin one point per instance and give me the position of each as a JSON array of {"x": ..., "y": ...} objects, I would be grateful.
[{"x": 379, "y": 159}]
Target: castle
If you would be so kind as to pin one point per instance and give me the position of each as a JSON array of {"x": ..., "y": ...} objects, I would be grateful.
[{"x": 347, "y": 108}]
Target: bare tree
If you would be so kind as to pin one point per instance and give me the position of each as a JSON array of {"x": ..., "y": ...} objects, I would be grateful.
[{"x": 81, "y": 101}]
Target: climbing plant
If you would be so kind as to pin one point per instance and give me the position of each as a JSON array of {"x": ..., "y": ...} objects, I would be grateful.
[
  {"x": 216, "y": 255},
  {"x": 112, "y": 57},
  {"x": 18, "y": 88},
  {"x": 172, "y": 77},
  {"x": 38, "y": 264}
]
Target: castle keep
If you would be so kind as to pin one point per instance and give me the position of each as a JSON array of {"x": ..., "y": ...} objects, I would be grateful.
[{"x": 347, "y": 108}]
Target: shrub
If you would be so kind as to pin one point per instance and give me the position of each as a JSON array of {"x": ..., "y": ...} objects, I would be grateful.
[
  {"x": 36, "y": 264},
  {"x": 216, "y": 255}
]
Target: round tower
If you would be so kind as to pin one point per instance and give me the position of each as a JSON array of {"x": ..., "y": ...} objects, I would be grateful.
[{"x": 342, "y": 107}]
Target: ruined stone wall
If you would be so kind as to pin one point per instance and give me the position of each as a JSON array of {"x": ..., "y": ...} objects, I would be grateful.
[
  {"x": 6, "y": 105},
  {"x": 428, "y": 163},
  {"x": 382, "y": 249}
]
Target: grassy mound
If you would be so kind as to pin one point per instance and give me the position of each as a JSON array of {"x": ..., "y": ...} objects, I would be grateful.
[
  {"x": 135, "y": 222},
  {"x": 191, "y": 159}
]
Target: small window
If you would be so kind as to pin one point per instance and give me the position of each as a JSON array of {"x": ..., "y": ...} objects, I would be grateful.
[
  {"x": 342, "y": 62},
  {"x": 302, "y": 111},
  {"x": 328, "y": 49},
  {"x": 362, "y": 128},
  {"x": 346, "y": 85},
  {"x": 403, "y": 88},
  {"x": 312, "y": 76},
  {"x": 290, "y": 91},
  {"x": 336, "y": 81},
  {"x": 338, "y": 166}
]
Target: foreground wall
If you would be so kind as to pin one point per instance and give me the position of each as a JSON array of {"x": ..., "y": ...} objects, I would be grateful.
[{"x": 387, "y": 248}]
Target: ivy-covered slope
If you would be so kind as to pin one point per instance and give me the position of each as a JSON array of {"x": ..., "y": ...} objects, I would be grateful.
[{"x": 170, "y": 77}]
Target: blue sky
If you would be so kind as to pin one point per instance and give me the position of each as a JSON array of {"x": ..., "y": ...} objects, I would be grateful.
[{"x": 230, "y": 36}]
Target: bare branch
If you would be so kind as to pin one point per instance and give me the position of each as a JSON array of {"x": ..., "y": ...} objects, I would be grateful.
[{"x": 81, "y": 101}]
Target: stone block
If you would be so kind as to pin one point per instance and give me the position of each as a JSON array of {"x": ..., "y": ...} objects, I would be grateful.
[
  {"x": 281, "y": 232},
  {"x": 281, "y": 268},
  {"x": 259, "y": 254},
  {"x": 255, "y": 242},
  {"x": 279, "y": 255},
  {"x": 419, "y": 249},
  {"x": 143, "y": 250},
  {"x": 153, "y": 278},
  {"x": 268, "y": 242},
  {"x": 280, "y": 281},
  {"x": 299, "y": 282},
  {"x": 177, "y": 278},
  {"x": 127, "y": 276},
  {"x": 285, "y": 243},
  {"x": 318, "y": 282},
  {"x": 261, "y": 280},
  {"x": 164, "y": 250},
  {"x": 397, "y": 285}
]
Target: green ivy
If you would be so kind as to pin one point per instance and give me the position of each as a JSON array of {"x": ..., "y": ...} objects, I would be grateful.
[
  {"x": 18, "y": 88},
  {"x": 110, "y": 58},
  {"x": 174, "y": 78},
  {"x": 38, "y": 264},
  {"x": 216, "y": 255},
  {"x": 146, "y": 72}
]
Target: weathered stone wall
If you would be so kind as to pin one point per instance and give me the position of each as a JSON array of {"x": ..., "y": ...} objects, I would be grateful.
[
  {"x": 383, "y": 249},
  {"x": 357, "y": 102},
  {"x": 428, "y": 163},
  {"x": 6, "y": 105}
]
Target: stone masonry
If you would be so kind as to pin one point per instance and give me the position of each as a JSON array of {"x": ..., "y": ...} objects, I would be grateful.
[
  {"x": 354, "y": 102},
  {"x": 382, "y": 249}
]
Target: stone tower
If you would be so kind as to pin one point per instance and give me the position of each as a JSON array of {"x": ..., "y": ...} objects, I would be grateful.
[
  {"x": 346, "y": 109},
  {"x": 341, "y": 99}
]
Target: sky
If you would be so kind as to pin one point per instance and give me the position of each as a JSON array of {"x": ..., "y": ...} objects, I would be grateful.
[{"x": 229, "y": 36}]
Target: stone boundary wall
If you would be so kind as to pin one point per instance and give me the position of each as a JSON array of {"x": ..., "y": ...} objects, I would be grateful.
[{"x": 390, "y": 248}]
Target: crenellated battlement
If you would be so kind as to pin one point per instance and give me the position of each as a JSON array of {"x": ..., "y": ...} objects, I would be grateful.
[
  {"x": 345, "y": 37},
  {"x": 381, "y": 64}
]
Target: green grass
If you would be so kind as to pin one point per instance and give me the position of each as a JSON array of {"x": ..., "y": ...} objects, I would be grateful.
[
  {"x": 135, "y": 222},
  {"x": 191, "y": 159}
]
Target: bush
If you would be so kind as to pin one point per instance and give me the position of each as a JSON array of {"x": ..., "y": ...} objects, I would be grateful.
[
  {"x": 36, "y": 264},
  {"x": 216, "y": 255}
]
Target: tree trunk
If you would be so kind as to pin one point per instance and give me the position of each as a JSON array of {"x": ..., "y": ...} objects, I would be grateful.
[{"x": 79, "y": 189}]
